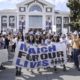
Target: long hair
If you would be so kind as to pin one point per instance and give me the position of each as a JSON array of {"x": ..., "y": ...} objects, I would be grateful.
[{"x": 31, "y": 41}]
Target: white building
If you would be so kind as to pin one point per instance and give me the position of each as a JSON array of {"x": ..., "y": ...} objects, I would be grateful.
[{"x": 34, "y": 14}]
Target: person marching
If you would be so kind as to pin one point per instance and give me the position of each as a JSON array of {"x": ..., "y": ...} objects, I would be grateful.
[{"x": 76, "y": 49}]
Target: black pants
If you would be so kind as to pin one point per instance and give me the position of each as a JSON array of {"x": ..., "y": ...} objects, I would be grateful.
[
  {"x": 76, "y": 53},
  {"x": 13, "y": 47},
  {"x": 18, "y": 71}
]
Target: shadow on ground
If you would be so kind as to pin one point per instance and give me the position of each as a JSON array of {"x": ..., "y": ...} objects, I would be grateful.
[
  {"x": 49, "y": 74},
  {"x": 8, "y": 73}
]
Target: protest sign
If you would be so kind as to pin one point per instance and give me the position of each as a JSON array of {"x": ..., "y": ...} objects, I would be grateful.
[{"x": 40, "y": 56}]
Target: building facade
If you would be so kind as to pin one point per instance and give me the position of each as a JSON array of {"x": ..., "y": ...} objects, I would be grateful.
[{"x": 34, "y": 14}]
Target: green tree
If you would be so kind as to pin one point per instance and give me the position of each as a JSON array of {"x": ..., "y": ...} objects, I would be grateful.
[{"x": 74, "y": 6}]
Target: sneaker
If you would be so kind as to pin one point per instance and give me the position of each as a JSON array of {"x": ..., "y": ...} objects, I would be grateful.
[
  {"x": 64, "y": 68},
  {"x": 55, "y": 69},
  {"x": 18, "y": 73}
]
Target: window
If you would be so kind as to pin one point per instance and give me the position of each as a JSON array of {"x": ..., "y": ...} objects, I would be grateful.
[
  {"x": 59, "y": 24},
  {"x": 4, "y": 21},
  {"x": 35, "y": 8},
  {"x": 66, "y": 20},
  {"x": 12, "y": 21},
  {"x": 48, "y": 9},
  {"x": 22, "y": 9},
  {"x": 58, "y": 20}
]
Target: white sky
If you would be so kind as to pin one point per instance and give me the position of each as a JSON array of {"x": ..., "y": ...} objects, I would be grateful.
[{"x": 11, "y": 4}]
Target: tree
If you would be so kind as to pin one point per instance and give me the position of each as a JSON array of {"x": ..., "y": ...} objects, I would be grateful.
[{"x": 74, "y": 6}]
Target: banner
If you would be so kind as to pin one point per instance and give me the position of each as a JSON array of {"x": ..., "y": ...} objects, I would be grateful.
[{"x": 40, "y": 56}]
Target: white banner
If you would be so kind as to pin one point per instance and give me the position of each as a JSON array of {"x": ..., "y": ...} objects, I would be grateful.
[{"x": 40, "y": 56}]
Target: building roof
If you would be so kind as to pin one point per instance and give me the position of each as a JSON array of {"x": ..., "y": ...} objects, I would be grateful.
[
  {"x": 8, "y": 11},
  {"x": 29, "y": 1},
  {"x": 62, "y": 12}
]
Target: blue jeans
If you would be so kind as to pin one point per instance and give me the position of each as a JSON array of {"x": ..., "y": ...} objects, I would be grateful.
[{"x": 76, "y": 53}]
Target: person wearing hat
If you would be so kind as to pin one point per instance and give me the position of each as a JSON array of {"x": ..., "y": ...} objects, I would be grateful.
[{"x": 76, "y": 49}]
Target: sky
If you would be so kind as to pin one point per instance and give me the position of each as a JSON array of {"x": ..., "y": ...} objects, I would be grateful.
[{"x": 11, "y": 4}]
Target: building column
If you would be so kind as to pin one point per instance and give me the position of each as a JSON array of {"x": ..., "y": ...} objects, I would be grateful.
[
  {"x": 55, "y": 20},
  {"x": 55, "y": 23},
  {"x": 26, "y": 23},
  {"x": 54, "y": 27},
  {"x": 8, "y": 22},
  {"x": 62, "y": 26},
  {"x": 17, "y": 22},
  {"x": 52, "y": 21},
  {"x": 44, "y": 22},
  {"x": 69, "y": 26},
  {"x": 0, "y": 23}
]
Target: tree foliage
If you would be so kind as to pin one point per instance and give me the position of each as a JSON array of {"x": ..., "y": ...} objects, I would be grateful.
[{"x": 74, "y": 6}]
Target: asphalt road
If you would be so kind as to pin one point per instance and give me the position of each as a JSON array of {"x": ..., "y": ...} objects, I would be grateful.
[{"x": 48, "y": 74}]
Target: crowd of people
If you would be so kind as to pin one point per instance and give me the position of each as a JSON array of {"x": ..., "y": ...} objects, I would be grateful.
[{"x": 33, "y": 37}]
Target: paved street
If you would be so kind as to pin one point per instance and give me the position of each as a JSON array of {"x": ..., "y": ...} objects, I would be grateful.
[{"x": 49, "y": 74}]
